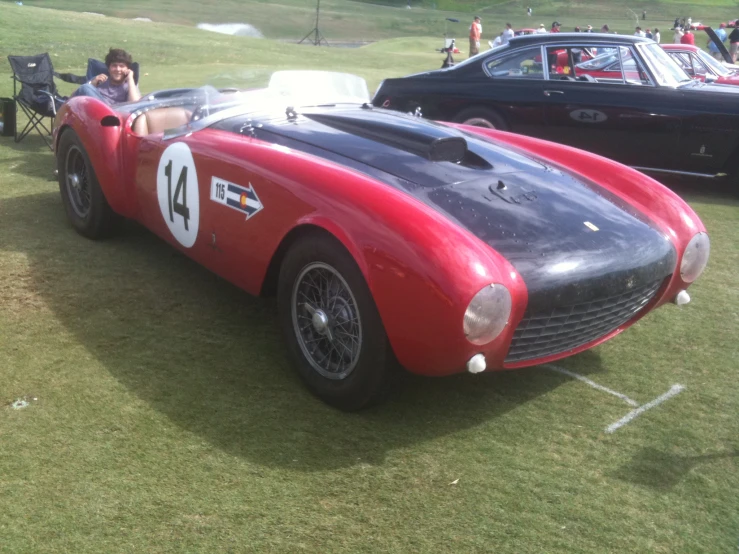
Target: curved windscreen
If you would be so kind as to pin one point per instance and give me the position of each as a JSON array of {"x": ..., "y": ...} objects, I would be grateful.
[{"x": 286, "y": 90}]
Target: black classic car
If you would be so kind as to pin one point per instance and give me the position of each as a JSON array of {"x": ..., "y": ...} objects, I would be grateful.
[{"x": 619, "y": 96}]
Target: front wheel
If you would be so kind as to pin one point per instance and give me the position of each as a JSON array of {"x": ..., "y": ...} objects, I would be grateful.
[
  {"x": 482, "y": 117},
  {"x": 87, "y": 209},
  {"x": 334, "y": 332}
]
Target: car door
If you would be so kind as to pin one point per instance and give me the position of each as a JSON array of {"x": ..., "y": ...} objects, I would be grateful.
[
  {"x": 616, "y": 111},
  {"x": 194, "y": 193}
]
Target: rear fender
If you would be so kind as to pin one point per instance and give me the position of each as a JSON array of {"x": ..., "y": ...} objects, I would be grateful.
[{"x": 100, "y": 130}]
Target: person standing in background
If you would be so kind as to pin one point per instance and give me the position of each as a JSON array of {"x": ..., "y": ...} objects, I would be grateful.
[
  {"x": 734, "y": 43},
  {"x": 605, "y": 29},
  {"x": 688, "y": 38},
  {"x": 712, "y": 48},
  {"x": 648, "y": 33},
  {"x": 475, "y": 34},
  {"x": 656, "y": 37},
  {"x": 507, "y": 33},
  {"x": 555, "y": 27},
  {"x": 677, "y": 37},
  {"x": 639, "y": 33}
]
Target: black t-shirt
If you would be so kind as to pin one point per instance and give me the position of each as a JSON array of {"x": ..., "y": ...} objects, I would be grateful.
[{"x": 734, "y": 36}]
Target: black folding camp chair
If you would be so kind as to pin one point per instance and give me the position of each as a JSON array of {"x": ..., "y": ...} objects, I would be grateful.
[{"x": 35, "y": 92}]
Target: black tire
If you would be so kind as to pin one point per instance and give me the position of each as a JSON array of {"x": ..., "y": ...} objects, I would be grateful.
[
  {"x": 350, "y": 377},
  {"x": 482, "y": 117},
  {"x": 87, "y": 209}
]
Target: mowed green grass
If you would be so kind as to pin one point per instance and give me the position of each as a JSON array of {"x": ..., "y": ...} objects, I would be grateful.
[{"x": 163, "y": 415}]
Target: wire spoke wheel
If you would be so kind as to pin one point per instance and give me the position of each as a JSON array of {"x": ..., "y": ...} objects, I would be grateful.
[
  {"x": 77, "y": 182},
  {"x": 326, "y": 321}
]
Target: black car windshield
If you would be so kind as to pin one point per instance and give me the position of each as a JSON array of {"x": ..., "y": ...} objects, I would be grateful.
[{"x": 665, "y": 70}]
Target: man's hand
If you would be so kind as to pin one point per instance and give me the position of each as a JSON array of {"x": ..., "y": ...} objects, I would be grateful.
[
  {"x": 130, "y": 77},
  {"x": 99, "y": 79}
]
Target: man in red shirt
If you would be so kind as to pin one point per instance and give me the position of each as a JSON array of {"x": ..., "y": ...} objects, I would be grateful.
[
  {"x": 688, "y": 38},
  {"x": 475, "y": 33},
  {"x": 555, "y": 27}
]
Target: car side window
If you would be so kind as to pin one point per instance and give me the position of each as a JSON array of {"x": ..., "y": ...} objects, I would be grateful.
[
  {"x": 616, "y": 65},
  {"x": 697, "y": 65},
  {"x": 683, "y": 61},
  {"x": 521, "y": 64}
]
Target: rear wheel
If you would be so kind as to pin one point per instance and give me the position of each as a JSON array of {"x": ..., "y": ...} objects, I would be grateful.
[
  {"x": 87, "y": 209},
  {"x": 482, "y": 117},
  {"x": 334, "y": 332}
]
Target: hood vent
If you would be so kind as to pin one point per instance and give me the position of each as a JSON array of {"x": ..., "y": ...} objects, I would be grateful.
[{"x": 438, "y": 145}]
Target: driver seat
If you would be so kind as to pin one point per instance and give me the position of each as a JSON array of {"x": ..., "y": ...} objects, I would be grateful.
[{"x": 160, "y": 119}]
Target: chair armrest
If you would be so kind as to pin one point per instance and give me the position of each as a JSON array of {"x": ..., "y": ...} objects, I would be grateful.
[{"x": 70, "y": 78}]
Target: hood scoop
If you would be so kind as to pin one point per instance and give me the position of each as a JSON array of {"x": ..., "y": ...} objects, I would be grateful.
[{"x": 433, "y": 144}]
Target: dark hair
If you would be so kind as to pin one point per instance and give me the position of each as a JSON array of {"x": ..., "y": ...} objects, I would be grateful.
[{"x": 118, "y": 55}]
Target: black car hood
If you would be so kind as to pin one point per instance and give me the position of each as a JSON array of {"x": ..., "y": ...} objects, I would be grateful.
[{"x": 570, "y": 240}]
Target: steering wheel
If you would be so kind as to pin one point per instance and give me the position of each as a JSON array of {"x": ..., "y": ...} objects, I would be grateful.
[
  {"x": 566, "y": 78},
  {"x": 586, "y": 77},
  {"x": 203, "y": 110}
]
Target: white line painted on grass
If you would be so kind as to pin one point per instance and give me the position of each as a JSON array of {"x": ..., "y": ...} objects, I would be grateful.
[
  {"x": 593, "y": 384},
  {"x": 674, "y": 390}
]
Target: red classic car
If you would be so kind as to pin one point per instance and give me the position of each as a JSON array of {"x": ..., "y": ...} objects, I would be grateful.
[
  {"x": 701, "y": 65},
  {"x": 384, "y": 236}
]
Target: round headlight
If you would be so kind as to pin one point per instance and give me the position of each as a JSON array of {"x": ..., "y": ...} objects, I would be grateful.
[
  {"x": 487, "y": 314},
  {"x": 695, "y": 257}
]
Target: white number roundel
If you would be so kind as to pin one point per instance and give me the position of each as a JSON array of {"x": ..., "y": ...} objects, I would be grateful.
[{"x": 178, "y": 193}]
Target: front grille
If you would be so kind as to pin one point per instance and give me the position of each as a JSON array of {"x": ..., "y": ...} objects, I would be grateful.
[{"x": 566, "y": 327}]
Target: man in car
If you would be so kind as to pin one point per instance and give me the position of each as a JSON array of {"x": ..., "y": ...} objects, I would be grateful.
[
  {"x": 119, "y": 87},
  {"x": 475, "y": 33}
]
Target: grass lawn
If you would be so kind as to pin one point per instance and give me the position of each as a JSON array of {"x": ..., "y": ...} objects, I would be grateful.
[{"x": 163, "y": 416}]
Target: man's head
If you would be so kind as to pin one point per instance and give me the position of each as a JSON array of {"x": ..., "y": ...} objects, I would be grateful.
[
  {"x": 722, "y": 26},
  {"x": 508, "y": 26},
  {"x": 638, "y": 29},
  {"x": 605, "y": 28},
  {"x": 590, "y": 27},
  {"x": 477, "y": 19},
  {"x": 556, "y": 25},
  {"x": 119, "y": 63}
]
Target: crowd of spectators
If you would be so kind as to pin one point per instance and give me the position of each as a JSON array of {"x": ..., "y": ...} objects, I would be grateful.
[{"x": 682, "y": 34}]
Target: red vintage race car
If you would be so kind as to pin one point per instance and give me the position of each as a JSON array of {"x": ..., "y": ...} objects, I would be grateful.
[
  {"x": 700, "y": 65},
  {"x": 384, "y": 236}
]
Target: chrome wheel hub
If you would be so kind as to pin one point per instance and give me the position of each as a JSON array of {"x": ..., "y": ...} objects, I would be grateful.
[{"x": 320, "y": 322}]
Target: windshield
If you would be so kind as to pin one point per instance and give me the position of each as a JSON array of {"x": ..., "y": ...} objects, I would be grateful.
[
  {"x": 713, "y": 64},
  {"x": 666, "y": 70},
  {"x": 286, "y": 91}
]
